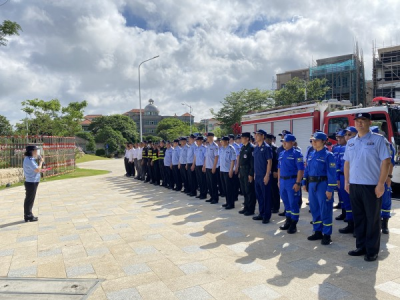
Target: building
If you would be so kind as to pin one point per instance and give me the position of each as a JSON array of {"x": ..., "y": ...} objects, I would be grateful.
[
  {"x": 151, "y": 117},
  {"x": 283, "y": 78},
  {"x": 344, "y": 74},
  {"x": 386, "y": 72},
  {"x": 210, "y": 124},
  {"x": 87, "y": 121}
]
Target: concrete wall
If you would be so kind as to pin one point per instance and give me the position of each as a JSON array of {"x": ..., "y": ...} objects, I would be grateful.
[{"x": 11, "y": 176}]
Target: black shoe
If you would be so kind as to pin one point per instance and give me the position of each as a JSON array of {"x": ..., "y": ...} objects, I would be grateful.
[
  {"x": 293, "y": 228},
  {"x": 338, "y": 205},
  {"x": 326, "y": 240},
  {"x": 340, "y": 217},
  {"x": 385, "y": 229},
  {"x": 202, "y": 197},
  {"x": 357, "y": 252},
  {"x": 214, "y": 202},
  {"x": 371, "y": 257},
  {"x": 265, "y": 221},
  {"x": 275, "y": 211},
  {"x": 257, "y": 218},
  {"x": 192, "y": 195},
  {"x": 348, "y": 229},
  {"x": 198, "y": 196},
  {"x": 316, "y": 236},
  {"x": 248, "y": 214},
  {"x": 229, "y": 207},
  {"x": 242, "y": 212},
  {"x": 286, "y": 225},
  {"x": 282, "y": 214},
  {"x": 31, "y": 219},
  {"x": 209, "y": 200},
  {"x": 224, "y": 205},
  {"x": 307, "y": 203}
]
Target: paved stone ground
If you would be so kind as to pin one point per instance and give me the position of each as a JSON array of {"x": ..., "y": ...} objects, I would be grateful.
[{"x": 147, "y": 242}]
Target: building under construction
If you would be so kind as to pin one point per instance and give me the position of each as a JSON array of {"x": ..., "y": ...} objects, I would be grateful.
[{"x": 386, "y": 72}]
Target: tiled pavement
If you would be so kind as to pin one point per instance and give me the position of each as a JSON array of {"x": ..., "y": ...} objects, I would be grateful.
[{"x": 147, "y": 242}]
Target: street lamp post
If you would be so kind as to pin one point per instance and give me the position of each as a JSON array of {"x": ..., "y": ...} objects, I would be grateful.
[
  {"x": 140, "y": 99},
  {"x": 190, "y": 117}
]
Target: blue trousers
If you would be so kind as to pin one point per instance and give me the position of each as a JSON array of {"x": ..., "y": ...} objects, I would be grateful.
[
  {"x": 345, "y": 199},
  {"x": 290, "y": 198},
  {"x": 386, "y": 202},
  {"x": 321, "y": 207},
  {"x": 263, "y": 195}
]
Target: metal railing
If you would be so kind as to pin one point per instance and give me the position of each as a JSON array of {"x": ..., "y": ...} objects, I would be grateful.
[{"x": 59, "y": 152}]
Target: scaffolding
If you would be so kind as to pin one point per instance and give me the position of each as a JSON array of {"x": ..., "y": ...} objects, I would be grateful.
[
  {"x": 386, "y": 71},
  {"x": 345, "y": 76}
]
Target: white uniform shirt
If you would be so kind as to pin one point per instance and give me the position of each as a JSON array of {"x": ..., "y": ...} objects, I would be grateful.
[{"x": 139, "y": 153}]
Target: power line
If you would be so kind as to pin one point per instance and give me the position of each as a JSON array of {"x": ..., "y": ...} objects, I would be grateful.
[{"x": 4, "y": 3}]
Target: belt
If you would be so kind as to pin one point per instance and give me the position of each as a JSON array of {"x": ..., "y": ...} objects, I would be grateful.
[
  {"x": 341, "y": 173},
  {"x": 288, "y": 177},
  {"x": 317, "y": 178}
]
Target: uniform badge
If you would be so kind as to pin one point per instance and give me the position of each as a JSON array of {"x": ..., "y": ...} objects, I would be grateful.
[
  {"x": 245, "y": 156},
  {"x": 262, "y": 149},
  {"x": 332, "y": 165}
]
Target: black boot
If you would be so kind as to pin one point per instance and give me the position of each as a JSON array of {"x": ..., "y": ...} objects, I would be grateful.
[
  {"x": 349, "y": 228},
  {"x": 31, "y": 218},
  {"x": 326, "y": 240},
  {"x": 342, "y": 216},
  {"x": 293, "y": 228},
  {"x": 385, "y": 229},
  {"x": 316, "y": 236},
  {"x": 287, "y": 224}
]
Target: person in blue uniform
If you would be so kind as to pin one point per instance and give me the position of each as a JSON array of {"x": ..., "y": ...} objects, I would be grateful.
[
  {"x": 346, "y": 206},
  {"x": 387, "y": 195},
  {"x": 175, "y": 166},
  {"x": 169, "y": 178},
  {"x": 182, "y": 164},
  {"x": 366, "y": 169},
  {"x": 335, "y": 151},
  {"x": 198, "y": 162},
  {"x": 227, "y": 158},
  {"x": 320, "y": 173},
  {"x": 236, "y": 183},
  {"x": 278, "y": 153},
  {"x": 276, "y": 198},
  {"x": 290, "y": 174},
  {"x": 32, "y": 166},
  {"x": 221, "y": 191},
  {"x": 191, "y": 174},
  {"x": 262, "y": 170},
  {"x": 210, "y": 168}
]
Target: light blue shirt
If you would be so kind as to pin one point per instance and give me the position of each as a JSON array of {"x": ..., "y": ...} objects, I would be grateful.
[
  {"x": 190, "y": 154},
  {"x": 30, "y": 166},
  {"x": 168, "y": 156},
  {"x": 183, "y": 156},
  {"x": 226, "y": 156},
  {"x": 200, "y": 153},
  {"x": 175, "y": 155},
  {"x": 211, "y": 153},
  {"x": 219, "y": 162},
  {"x": 365, "y": 156},
  {"x": 237, "y": 148}
]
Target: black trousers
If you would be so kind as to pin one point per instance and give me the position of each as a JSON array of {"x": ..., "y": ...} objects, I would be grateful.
[
  {"x": 162, "y": 173},
  {"x": 228, "y": 186},
  {"x": 184, "y": 178},
  {"x": 156, "y": 172},
  {"x": 212, "y": 183},
  {"x": 220, "y": 187},
  {"x": 131, "y": 169},
  {"x": 149, "y": 171},
  {"x": 169, "y": 178},
  {"x": 248, "y": 190},
  {"x": 177, "y": 177},
  {"x": 126, "y": 161},
  {"x": 367, "y": 217},
  {"x": 235, "y": 186},
  {"x": 144, "y": 168},
  {"x": 276, "y": 197},
  {"x": 192, "y": 179},
  {"x": 201, "y": 180},
  {"x": 30, "y": 194}
]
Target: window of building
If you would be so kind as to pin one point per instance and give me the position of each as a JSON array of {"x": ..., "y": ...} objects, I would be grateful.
[{"x": 336, "y": 124}]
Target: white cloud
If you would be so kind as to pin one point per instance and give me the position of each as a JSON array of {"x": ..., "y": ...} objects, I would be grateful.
[{"x": 75, "y": 50}]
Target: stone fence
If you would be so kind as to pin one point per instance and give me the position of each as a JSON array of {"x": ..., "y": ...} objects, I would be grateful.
[{"x": 11, "y": 176}]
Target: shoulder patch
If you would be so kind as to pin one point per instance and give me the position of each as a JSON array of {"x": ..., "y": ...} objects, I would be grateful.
[
  {"x": 332, "y": 165},
  {"x": 299, "y": 159}
]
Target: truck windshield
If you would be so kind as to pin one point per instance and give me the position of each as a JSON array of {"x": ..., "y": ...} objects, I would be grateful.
[{"x": 394, "y": 114}]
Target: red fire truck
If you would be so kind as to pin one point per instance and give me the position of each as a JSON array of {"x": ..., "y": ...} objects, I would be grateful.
[{"x": 329, "y": 116}]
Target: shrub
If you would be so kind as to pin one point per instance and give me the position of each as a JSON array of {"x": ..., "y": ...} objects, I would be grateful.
[{"x": 100, "y": 152}]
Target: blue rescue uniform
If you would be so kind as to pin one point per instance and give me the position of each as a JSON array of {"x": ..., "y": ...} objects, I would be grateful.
[
  {"x": 387, "y": 195},
  {"x": 343, "y": 195}
]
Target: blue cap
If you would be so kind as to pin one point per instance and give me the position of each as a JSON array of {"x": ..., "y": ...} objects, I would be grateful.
[
  {"x": 319, "y": 136},
  {"x": 225, "y": 138},
  {"x": 260, "y": 131},
  {"x": 289, "y": 138},
  {"x": 351, "y": 129},
  {"x": 341, "y": 133},
  {"x": 374, "y": 129},
  {"x": 284, "y": 132},
  {"x": 269, "y": 136}
]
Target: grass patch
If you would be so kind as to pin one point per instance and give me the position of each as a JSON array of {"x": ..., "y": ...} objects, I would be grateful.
[
  {"x": 90, "y": 157},
  {"x": 75, "y": 174}
]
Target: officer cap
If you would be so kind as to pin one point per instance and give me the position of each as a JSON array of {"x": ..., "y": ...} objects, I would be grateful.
[
  {"x": 351, "y": 129},
  {"x": 284, "y": 132},
  {"x": 168, "y": 142},
  {"x": 238, "y": 136},
  {"x": 162, "y": 141},
  {"x": 225, "y": 138},
  {"x": 341, "y": 133},
  {"x": 231, "y": 136},
  {"x": 200, "y": 138},
  {"x": 261, "y": 131},
  {"x": 176, "y": 141},
  {"x": 289, "y": 138},
  {"x": 183, "y": 139},
  {"x": 374, "y": 129},
  {"x": 210, "y": 134},
  {"x": 319, "y": 136},
  {"x": 246, "y": 134},
  {"x": 192, "y": 136},
  {"x": 31, "y": 148},
  {"x": 218, "y": 139},
  {"x": 362, "y": 115},
  {"x": 269, "y": 136},
  {"x": 317, "y": 130}
]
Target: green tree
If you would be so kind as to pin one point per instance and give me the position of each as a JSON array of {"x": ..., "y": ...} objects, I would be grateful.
[
  {"x": 236, "y": 104},
  {"x": 8, "y": 28},
  {"x": 172, "y": 128},
  {"x": 114, "y": 139},
  {"x": 5, "y": 126},
  {"x": 91, "y": 145},
  {"x": 152, "y": 138},
  {"x": 72, "y": 115},
  {"x": 218, "y": 132},
  {"x": 120, "y": 123},
  {"x": 294, "y": 91}
]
